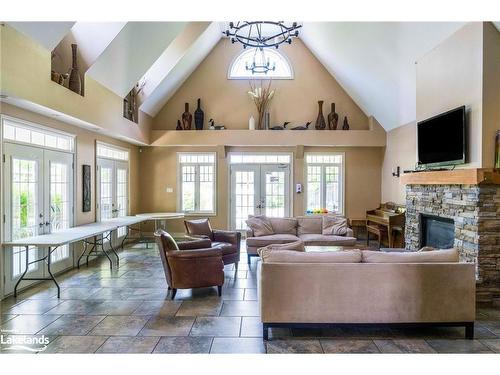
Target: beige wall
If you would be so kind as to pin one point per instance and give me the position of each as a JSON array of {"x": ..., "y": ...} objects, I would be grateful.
[
  {"x": 26, "y": 75},
  {"x": 491, "y": 92},
  {"x": 451, "y": 75},
  {"x": 227, "y": 101},
  {"x": 401, "y": 150},
  {"x": 362, "y": 175}
]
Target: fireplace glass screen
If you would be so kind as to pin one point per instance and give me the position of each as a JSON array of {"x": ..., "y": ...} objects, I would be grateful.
[{"x": 437, "y": 232}]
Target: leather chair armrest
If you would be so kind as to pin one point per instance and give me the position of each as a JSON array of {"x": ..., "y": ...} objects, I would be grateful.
[
  {"x": 195, "y": 253},
  {"x": 202, "y": 243},
  {"x": 232, "y": 237}
]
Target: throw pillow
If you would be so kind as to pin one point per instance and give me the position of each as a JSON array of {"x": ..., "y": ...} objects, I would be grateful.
[
  {"x": 295, "y": 246},
  {"x": 260, "y": 225},
  {"x": 334, "y": 225}
]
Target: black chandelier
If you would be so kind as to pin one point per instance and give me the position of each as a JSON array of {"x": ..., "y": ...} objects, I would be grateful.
[
  {"x": 262, "y": 34},
  {"x": 260, "y": 67}
]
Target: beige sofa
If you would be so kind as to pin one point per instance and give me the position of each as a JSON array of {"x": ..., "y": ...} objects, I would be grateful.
[
  {"x": 308, "y": 229},
  {"x": 300, "y": 289}
]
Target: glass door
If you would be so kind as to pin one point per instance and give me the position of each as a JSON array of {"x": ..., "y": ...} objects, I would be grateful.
[
  {"x": 245, "y": 194},
  {"x": 121, "y": 194},
  {"x": 23, "y": 192},
  {"x": 58, "y": 167},
  {"x": 259, "y": 190}
]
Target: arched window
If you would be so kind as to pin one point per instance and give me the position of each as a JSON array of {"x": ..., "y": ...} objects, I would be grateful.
[{"x": 242, "y": 64}]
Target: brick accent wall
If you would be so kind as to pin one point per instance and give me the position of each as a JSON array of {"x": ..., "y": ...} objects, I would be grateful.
[{"x": 475, "y": 210}]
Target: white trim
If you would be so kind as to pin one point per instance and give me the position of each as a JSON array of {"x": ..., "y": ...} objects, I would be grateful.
[
  {"x": 258, "y": 77},
  {"x": 32, "y": 126},
  {"x": 179, "y": 182},
  {"x": 342, "y": 176}
]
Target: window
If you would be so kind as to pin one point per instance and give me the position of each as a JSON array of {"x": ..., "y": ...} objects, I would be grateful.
[
  {"x": 259, "y": 158},
  {"x": 22, "y": 132},
  {"x": 325, "y": 182},
  {"x": 282, "y": 68},
  {"x": 196, "y": 182},
  {"x": 111, "y": 152}
]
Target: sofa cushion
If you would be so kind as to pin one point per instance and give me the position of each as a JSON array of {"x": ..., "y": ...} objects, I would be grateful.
[
  {"x": 199, "y": 227},
  {"x": 284, "y": 225},
  {"x": 271, "y": 239},
  {"x": 260, "y": 225},
  {"x": 327, "y": 240},
  {"x": 334, "y": 224},
  {"x": 295, "y": 246},
  {"x": 437, "y": 256},
  {"x": 290, "y": 256},
  {"x": 309, "y": 224}
]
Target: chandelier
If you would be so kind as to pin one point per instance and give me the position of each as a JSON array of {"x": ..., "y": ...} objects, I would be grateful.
[
  {"x": 262, "y": 34},
  {"x": 260, "y": 65}
]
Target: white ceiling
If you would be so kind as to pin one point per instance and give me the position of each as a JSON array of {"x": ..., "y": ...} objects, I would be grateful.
[
  {"x": 132, "y": 53},
  {"x": 375, "y": 61},
  {"x": 48, "y": 34}
]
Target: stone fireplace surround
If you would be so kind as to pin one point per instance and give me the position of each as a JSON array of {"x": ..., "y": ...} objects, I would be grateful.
[{"x": 475, "y": 210}]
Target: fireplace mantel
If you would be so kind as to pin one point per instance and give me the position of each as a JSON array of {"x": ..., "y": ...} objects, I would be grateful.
[{"x": 473, "y": 176}]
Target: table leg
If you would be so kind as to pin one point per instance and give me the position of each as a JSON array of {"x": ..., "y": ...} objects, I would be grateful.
[
  {"x": 49, "y": 261},
  {"x": 113, "y": 249},
  {"x": 105, "y": 252},
  {"x": 85, "y": 246},
  {"x": 24, "y": 273}
]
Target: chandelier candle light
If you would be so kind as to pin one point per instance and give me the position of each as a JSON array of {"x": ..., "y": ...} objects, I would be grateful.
[{"x": 261, "y": 96}]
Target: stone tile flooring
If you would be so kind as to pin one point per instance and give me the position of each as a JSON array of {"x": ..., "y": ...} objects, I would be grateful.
[{"x": 129, "y": 311}]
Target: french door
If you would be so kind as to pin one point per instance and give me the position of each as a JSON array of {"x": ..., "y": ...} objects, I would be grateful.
[
  {"x": 112, "y": 191},
  {"x": 38, "y": 199},
  {"x": 259, "y": 190}
]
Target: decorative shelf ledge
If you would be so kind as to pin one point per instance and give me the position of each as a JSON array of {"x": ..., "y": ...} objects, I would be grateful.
[
  {"x": 339, "y": 138},
  {"x": 473, "y": 176}
]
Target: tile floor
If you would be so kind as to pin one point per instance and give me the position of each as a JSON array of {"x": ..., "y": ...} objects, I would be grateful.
[{"x": 128, "y": 311}]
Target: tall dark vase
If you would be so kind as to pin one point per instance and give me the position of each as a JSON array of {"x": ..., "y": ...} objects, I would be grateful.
[
  {"x": 199, "y": 117},
  {"x": 345, "y": 126},
  {"x": 320, "y": 121},
  {"x": 75, "y": 82},
  {"x": 187, "y": 118},
  {"x": 333, "y": 119},
  {"x": 497, "y": 150}
]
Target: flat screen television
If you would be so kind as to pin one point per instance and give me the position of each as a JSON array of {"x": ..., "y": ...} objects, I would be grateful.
[{"x": 441, "y": 139}]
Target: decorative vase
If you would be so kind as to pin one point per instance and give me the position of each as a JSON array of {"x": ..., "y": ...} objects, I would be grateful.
[
  {"x": 251, "y": 123},
  {"x": 320, "y": 121},
  {"x": 497, "y": 150},
  {"x": 267, "y": 121},
  {"x": 187, "y": 118},
  {"x": 333, "y": 119},
  {"x": 346, "y": 124},
  {"x": 199, "y": 116},
  {"x": 179, "y": 126},
  {"x": 75, "y": 82}
]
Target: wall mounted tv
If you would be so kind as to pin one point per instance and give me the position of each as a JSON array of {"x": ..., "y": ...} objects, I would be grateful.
[{"x": 442, "y": 139}]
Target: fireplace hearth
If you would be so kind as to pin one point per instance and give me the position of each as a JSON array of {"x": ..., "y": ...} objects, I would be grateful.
[{"x": 437, "y": 232}]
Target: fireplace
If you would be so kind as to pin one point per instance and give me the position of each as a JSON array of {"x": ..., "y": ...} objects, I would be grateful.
[{"x": 436, "y": 231}]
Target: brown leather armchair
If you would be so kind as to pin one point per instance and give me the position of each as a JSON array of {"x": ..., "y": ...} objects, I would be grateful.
[
  {"x": 189, "y": 268},
  {"x": 228, "y": 241}
]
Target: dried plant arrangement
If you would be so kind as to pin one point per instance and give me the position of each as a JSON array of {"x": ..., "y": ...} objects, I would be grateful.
[{"x": 262, "y": 97}]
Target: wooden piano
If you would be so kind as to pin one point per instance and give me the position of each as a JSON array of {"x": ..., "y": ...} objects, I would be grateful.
[{"x": 386, "y": 219}]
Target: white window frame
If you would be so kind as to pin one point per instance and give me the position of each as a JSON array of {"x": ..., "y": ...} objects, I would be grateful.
[
  {"x": 111, "y": 147},
  {"x": 323, "y": 189},
  {"x": 31, "y": 126},
  {"x": 196, "y": 211},
  {"x": 258, "y": 76}
]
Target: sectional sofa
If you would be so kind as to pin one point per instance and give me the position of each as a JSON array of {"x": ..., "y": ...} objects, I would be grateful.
[
  {"x": 308, "y": 229},
  {"x": 301, "y": 289}
]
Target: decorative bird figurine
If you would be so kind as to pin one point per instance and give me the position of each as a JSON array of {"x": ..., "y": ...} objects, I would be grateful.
[
  {"x": 302, "y": 127},
  {"x": 278, "y": 127}
]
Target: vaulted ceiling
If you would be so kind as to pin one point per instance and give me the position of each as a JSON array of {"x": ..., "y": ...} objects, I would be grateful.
[{"x": 373, "y": 61}]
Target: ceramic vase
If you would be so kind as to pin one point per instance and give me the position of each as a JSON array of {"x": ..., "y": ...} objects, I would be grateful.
[
  {"x": 187, "y": 118},
  {"x": 320, "y": 121},
  {"x": 345, "y": 126},
  {"x": 199, "y": 117},
  {"x": 179, "y": 126},
  {"x": 333, "y": 118},
  {"x": 497, "y": 150},
  {"x": 75, "y": 82}
]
